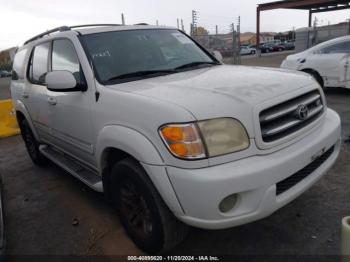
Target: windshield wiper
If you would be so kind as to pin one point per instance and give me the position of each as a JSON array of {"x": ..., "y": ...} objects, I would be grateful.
[
  {"x": 142, "y": 73},
  {"x": 195, "y": 64}
]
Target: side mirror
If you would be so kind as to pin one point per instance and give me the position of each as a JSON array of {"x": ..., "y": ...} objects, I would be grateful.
[
  {"x": 218, "y": 56},
  {"x": 61, "y": 81}
]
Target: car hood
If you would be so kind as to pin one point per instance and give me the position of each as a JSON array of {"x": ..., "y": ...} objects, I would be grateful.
[{"x": 219, "y": 91}]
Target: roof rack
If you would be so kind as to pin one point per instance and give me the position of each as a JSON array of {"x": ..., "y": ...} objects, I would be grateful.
[
  {"x": 57, "y": 29},
  {"x": 88, "y": 25},
  {"x": 64, "y": 28}
]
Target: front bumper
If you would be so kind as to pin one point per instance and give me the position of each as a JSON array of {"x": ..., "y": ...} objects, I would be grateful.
[{"x": 200, "y": 191}]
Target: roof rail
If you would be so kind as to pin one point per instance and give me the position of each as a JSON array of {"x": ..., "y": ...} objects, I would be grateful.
[
  {"x": 141, "y": 24},
  {"x": 57, "y": 29},
  {"x": 88, "y": 25},
  {"x": 64, "y": 28}
]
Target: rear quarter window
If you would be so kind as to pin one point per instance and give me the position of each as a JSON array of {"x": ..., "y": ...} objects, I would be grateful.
[{"x": 18, "y": 68}]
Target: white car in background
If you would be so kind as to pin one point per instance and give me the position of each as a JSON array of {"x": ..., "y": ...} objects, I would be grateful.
[
  {"x": 328, "y": 62},
  {"x": 247, "y": 50}
]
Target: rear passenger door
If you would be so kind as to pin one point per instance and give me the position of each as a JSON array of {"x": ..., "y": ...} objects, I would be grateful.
[
  {"x": 71, "y": 111},
  {"x": 35, "y": 93}
]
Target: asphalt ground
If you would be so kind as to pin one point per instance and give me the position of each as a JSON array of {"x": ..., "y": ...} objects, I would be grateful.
[
  {"x": 4, "y": 88},
  {"x": 49, "y": 212}
]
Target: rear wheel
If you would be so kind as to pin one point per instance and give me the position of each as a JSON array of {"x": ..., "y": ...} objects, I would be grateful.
[
  {"x": 31, "y": 144},
  {"x": 143, "y": 213}
]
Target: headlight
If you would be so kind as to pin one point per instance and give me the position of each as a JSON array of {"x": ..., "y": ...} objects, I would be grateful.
[
  {"x": 223, "y": 136},
  {"x": 207, "y": 138}
]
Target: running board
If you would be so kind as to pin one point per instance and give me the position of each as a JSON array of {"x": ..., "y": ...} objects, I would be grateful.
[{"x": 84, "y": 174}]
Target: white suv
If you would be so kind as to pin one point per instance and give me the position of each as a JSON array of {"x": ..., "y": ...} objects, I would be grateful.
[{"x": 168, "y": 133}]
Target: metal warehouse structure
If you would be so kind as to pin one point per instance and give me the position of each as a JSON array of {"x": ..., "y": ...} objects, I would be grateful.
[{"x": 313, "y": 6}]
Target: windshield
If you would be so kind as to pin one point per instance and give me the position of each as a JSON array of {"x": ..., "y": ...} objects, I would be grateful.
[{"x": 120, "y": 54}]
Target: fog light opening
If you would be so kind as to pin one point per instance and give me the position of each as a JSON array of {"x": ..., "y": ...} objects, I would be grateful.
[{"x": 228, "y": 203}]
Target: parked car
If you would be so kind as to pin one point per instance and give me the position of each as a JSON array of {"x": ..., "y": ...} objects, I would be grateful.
[
  {"x": 328, "y": 62},
  {"x": 278, "y": 48},
  {"x": 247, "y": 50},
  {"x": 288, "y": 45},
  {"x": 266, "y": 48},
  {"x": 169, "y": 134},
  {"x": 4, "y": 73}
]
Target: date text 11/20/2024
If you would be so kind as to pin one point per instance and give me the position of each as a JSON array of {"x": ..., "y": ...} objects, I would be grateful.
[{"x": 173, "y": 258}]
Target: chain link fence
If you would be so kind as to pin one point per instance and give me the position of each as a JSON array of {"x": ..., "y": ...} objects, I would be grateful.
[
  {"x": 227, "y": 44},
  {"x": 310, "y": 36}
]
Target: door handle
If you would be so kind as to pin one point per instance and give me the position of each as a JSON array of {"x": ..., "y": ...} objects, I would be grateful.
[
  {"x": 25, "y": 95},
  {"x": 52, "y": 101}
]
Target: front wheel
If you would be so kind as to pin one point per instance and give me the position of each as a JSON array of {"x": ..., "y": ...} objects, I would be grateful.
[
  {"x": 31, "y": 144},
  {"x": 143, "y": 213}
]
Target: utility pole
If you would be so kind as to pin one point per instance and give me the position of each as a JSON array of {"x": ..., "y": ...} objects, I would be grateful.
[
  {"x": 233, "y": 43},
  {"x": 123, "y": 20},
  {"x": 238, "y": 36},
  {"x": 182, "y": 25},
  {"x": 177, "y": 21},
  {"x": 194, "y": 22},
  {"x": 157, "y": 22},
  {"x": 216, "y": 30}
]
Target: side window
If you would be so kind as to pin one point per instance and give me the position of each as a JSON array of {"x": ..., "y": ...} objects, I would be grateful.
[
  {"x": 339, "y": 48},
  {"x": 39, "y": 63},
  {"x": 65, "y": 58},
  {"x": 18, "y": 68}
]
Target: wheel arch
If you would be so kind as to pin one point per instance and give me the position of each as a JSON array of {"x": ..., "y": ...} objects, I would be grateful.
[
  {"x": 21, "y": 114},
  {"x": 116, "y": 142},
  {"x": 314, "y": 73}
]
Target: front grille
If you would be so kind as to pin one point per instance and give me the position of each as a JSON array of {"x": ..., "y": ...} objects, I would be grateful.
[
  {"x": 288, "y": 117},
  {"x": 291, "y": 181}
]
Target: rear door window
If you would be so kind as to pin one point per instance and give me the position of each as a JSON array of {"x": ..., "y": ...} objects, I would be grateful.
[{"x": 39, "y": 63}]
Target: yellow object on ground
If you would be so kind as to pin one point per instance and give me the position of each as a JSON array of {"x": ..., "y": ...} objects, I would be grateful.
[{"x": 8, "y": 122}]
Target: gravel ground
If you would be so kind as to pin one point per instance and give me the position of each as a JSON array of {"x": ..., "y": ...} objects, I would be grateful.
[{"x": 47, "y": 211}]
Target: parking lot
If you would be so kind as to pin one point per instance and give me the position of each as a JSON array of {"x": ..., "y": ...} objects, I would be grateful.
[{"x": 48, "y": 211}]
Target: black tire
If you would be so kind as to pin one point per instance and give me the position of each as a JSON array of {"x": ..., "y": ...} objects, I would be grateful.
[
  {"x": 253, "y": 52},
  {"x": 32, "y": 144},
  {"x": 143, "y": 213}
]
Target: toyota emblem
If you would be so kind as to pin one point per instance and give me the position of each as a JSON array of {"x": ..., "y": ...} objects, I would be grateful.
[{"x": 302, "y": 112}]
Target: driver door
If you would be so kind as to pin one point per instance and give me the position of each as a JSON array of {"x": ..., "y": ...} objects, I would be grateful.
[{"x": 71, "y": 111}]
